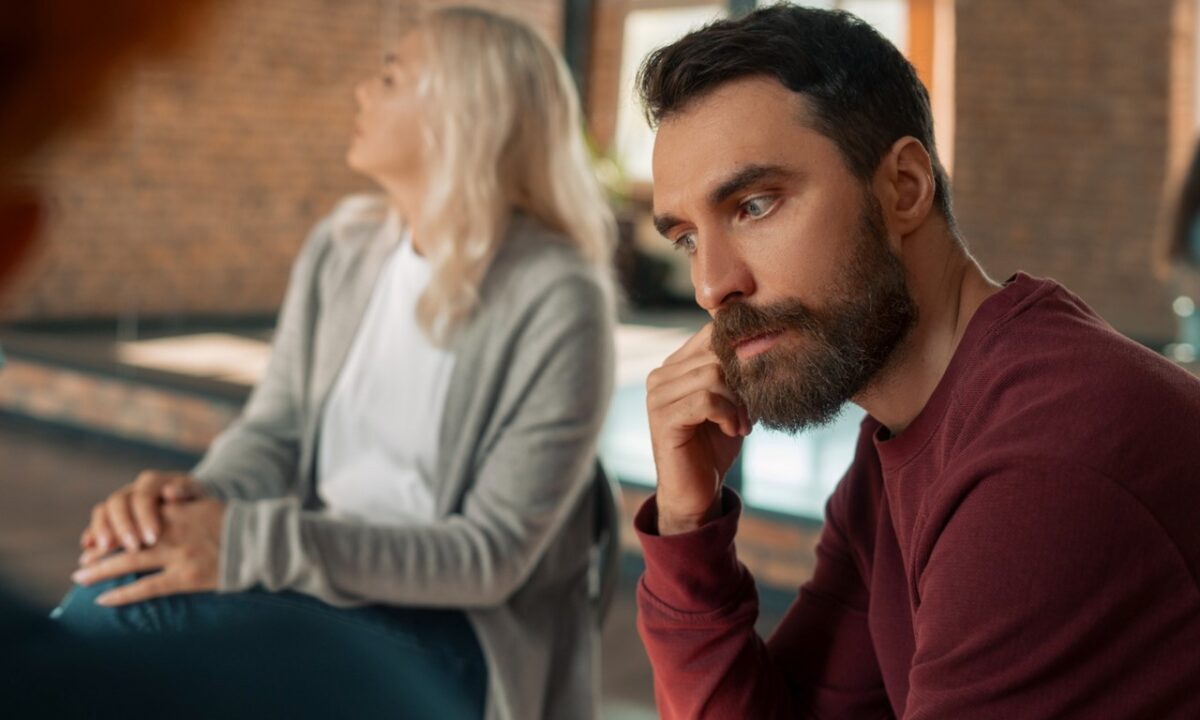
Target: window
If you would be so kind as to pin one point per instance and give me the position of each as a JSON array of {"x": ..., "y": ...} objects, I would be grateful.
[
  {"x": 889, "y": 17},
  {"x": 645, "y": 31}
]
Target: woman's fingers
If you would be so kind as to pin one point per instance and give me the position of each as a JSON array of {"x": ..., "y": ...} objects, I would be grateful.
[
  {"x": 145, "y": 504},
  {"x": 92, "y": 555},
  {"x": 121, "y": 564},
  {"x": 120, "y": 519},
  {"x": 159, "y": 584},
  {"x": 101, "y": 534},
  {"x": 180, "y": 488}
]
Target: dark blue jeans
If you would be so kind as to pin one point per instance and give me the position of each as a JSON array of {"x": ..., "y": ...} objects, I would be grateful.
[{"x": 291, "y": 654}]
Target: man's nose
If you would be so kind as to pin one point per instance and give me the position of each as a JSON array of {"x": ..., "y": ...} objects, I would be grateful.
[{"x": 719, "y": 274}]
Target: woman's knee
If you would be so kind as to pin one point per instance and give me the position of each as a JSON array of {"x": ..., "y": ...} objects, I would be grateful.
[{"x": 79, "y": 612}]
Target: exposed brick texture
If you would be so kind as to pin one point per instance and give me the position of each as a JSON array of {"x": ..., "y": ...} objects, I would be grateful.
[
  {"x": 193, "y": 196},
  {"x": 1068, "y": 118},
  {"x": 194, "y": 193},
  {"x": 604, "y": 69}
]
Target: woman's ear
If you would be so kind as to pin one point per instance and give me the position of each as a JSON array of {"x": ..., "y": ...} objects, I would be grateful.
[{"x": 905, "y": 186}]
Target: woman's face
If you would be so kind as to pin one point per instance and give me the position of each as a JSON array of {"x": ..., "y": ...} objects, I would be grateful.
[{"x": 388, "y": 129}]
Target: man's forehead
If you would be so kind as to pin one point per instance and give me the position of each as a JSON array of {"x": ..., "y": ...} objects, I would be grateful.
[{"x": 724, "y": 132}]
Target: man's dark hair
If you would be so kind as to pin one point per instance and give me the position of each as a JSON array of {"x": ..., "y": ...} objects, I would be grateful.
[{"x": 863, "y": 94}]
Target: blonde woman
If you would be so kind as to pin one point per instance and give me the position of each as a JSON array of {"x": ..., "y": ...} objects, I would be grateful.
[{"x": 415, "y": 464}]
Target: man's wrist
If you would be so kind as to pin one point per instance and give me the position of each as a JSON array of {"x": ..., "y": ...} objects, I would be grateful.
[
  {"x": 692, "y": 572},
  {"x": 673, "y": 524}
]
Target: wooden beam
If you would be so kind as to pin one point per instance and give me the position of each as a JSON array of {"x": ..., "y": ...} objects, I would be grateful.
[{"x": 920, "y": 39}]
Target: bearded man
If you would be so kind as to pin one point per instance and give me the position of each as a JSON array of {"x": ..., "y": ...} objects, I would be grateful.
[{"x": 1017, "y": 536}]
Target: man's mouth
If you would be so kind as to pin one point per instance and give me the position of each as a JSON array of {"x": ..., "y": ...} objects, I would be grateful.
[{"x": 755, "y": 344}]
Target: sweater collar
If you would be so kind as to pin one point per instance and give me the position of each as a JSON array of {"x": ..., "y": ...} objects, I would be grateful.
[{"x": 897, "y": 451}]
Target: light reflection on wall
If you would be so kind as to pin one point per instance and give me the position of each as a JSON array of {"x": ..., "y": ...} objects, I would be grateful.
[{"x": 795, "y": 474}]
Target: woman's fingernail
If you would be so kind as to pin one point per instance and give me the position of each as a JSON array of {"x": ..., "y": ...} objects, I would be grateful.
[
  {"x": 131, "y": 541},
  {"x": 79, "y": 577},
  {"x": 150, "y": 539},
  {"x": 104, "y": 599}
]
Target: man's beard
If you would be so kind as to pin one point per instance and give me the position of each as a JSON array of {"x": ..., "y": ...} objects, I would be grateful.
[{"x": 847, "y": 344}]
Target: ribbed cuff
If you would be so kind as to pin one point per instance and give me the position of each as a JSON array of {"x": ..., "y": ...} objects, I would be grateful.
[
  {"x": 211, "y": 489},
  {"x": 233, "y": 572},
  {"x": 697, "y": 571}
]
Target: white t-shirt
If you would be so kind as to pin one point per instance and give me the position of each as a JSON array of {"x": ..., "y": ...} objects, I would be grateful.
[{"x": 379, "y": 429}]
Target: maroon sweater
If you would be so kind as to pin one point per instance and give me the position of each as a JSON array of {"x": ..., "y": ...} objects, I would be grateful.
[{"x": 1029, "y": 547}]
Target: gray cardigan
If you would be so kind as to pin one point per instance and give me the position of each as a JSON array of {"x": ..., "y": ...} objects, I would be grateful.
[{"x": 531, "y": 385}]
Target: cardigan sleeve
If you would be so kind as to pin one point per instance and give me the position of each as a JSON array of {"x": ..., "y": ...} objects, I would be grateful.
[{"x": 527, "y": 483}]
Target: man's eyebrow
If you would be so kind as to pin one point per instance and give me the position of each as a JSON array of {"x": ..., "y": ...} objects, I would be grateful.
[
  {"x": 744, "y": 178},
  {"x": 663, "y": 223},
  {"x": 734, "y": 184}
]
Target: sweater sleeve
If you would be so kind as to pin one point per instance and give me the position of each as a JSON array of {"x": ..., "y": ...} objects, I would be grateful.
[{"x": 697, "y": 608}]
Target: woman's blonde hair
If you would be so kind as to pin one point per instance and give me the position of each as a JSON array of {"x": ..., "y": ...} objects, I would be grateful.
[{"x": 503, "y": 133}]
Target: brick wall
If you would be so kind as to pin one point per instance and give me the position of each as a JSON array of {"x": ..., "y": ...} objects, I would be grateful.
[
  {"x": 604, "y": 69},
  {"x": 193, "y": 194},
  {"x": 1068, "y": 118}
]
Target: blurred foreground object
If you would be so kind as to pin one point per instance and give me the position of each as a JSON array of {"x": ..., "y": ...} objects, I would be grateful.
[{"x": 60, "y": 59}]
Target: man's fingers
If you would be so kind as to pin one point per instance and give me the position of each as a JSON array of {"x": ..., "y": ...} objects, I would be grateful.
[
  {"x": 700, "y": 376},
  {"x": 120, "y": 564},
  {"x": 121, "y": 521},
  {"x": 747, "y": 421},
  {"x": 666, "y": 373},
  {"x": 701, "y": 407},
  {"x": 721, "y": 411},
  {"x": 151, "y": 586}
]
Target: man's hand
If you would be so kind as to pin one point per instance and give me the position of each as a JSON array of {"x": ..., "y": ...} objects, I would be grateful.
[
  {"x": 132, "y": 516},
  {"x": 187, "y": 557},
  {"x": 696, "y": 428}
]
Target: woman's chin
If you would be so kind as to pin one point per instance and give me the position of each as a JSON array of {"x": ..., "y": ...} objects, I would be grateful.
[
  {"x": 354, "y": 161},
  {"x": 352, "y": 157}
]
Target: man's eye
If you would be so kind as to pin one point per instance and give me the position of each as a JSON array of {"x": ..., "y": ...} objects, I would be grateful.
[
  {"x": 685, "y": 242},
  {"x": 757, "y": 207}
]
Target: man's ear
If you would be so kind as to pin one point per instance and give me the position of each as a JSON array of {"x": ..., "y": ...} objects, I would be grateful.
[{"x": 905, "y": 186}]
